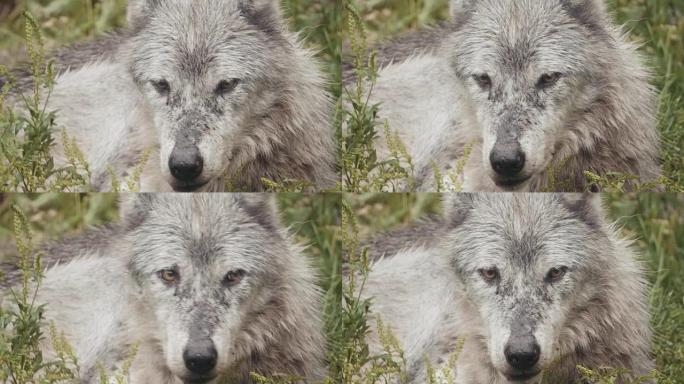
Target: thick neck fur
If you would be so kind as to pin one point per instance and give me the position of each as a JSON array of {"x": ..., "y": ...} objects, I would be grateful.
[
  {"x": 293, "y": 140},
  {"x": 617, "y": 133}
]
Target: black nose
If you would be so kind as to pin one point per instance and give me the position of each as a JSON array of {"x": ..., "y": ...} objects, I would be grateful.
[
  {"x": 522, "y": 353},
  {"x": 200, "y": 357},
  {"x": 186, "y": 163},
  {"x": 507, "y": 160}
]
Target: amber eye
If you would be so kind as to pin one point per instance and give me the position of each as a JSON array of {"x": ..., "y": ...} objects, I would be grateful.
[
  {"x": 483, "y": 80},
  {"x": 233, "y": 278},
  {"x": 225, "y": 87},
  {"x": 489, "y": 274},
  {"x": 162, "y": 87},
  {"x": 548, "y": 80},
  {"x": 555, "y": 274},
  {"x": 169, "y": 276}
]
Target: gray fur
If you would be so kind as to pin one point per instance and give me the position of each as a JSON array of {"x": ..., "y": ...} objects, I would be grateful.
[
  {"x": 432, "y": 294},
  {"x": 108, "y": 298},
  {"x": 598, "y": 116},
  {"x": 274, "y": 123}
]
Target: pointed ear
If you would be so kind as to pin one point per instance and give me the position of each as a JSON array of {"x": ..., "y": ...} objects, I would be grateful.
[
  {"x": 262, "y": 208},
  {"x": 273, "y": 5},
  {"x": 139, "y": 10},
  {"x": 457, "y": 206},
  {"x": 264, "y": 14},
  {"x": 589, "y": 13},
  {"x": 459, "y": 8},
  {"x": 587, "y": 5},
  {"x": 588, "y": 207},
  {"x": 134, "y": 208}
]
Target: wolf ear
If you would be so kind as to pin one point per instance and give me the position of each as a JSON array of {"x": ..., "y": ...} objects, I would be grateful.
[
  {"x": 140, "y": 10},
  {"x": 587, "y": 5},
  {"x": 457, "y": 206},
  {"x": 586, "y": 206},
  {"x": 134, "y": 208},
  {"x": 262, "y": 208},
  {"x": 264, "y": 14},
  {"x": 460, "y": 7}
]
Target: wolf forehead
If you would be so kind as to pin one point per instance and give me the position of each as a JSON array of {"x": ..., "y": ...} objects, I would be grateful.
[
  {"x": 522, "y": 228},
  {"x": 202, "y": 213},
  {"x": 589, "y": 14},
  {"x": 233, "y": 230},
  {"x": 191, "y": 36},
  {"x": 527, "y": 29}
]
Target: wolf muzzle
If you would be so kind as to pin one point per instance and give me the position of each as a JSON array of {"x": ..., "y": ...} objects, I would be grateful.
[
  {"x": 522, "y": 352},
  {"x": 200, "y": 356},
  {"x": 186, "y": 163},
  {"x": 507, "y": 159}
]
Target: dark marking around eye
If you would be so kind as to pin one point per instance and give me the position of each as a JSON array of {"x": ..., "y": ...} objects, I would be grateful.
[
  {"x": 483, "y": 81},
  {"x": 233, "y": 278},
  {"x": 548, "y": 80},
  {"x": 162, "y": 87},
  {"x": 489, "y": 275},
  {"x": 555, "y": 274},
  {"x": 169, "y": 276},
  {"x": 225, "y": 87}
]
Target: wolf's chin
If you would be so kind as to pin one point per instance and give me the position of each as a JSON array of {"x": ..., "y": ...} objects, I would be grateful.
[
  {"x": 199, "y": 380},
  {"x": 511, "y": 185},
  {"x": 182, "y": 187},
  {"x": 526, "y": 377}
]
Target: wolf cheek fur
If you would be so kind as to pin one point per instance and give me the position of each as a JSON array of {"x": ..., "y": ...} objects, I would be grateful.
[
  {"x": 529, "y": 283},
  {"x": 532, "y": 85},
  {"x": 205, "y": 285}
]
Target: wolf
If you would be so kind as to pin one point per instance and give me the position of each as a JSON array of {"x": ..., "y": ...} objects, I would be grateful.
[
  {"x": 207, "y": 287},
  {"x": 529, "y": 94},
  {"x": 220, "y": 91},
  {"x": 529, "y": 285}
]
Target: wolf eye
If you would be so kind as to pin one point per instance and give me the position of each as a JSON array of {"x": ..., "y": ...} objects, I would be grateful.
[
  {"x": 233, "y": 278},
  {"x": 483, "y": 80},
  {"x": 548, "y": 80},
  {"x": 169, "y": 276},
  {"x": 226, "y": 86},
  {"x": 489, "y": 274},
  {"x": 555, "y": 274},
  {"x": 161, "y": 86}
]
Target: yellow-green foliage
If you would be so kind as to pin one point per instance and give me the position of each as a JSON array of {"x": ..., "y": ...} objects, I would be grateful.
[
  {"x": 26, "y": 138},
  {"x": 362, "y": 171},
  {"x": 286, "y": 185},
  {"x": 121, "y": 376},
  {"x": 21, "y": 320},
  {"x": 452, "y": 181}
]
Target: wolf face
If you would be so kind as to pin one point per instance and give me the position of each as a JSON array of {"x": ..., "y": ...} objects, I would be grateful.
[
  {"x": 207, "y": 270},
  {"x": 528, "y": 65},
  {"x": 210, "y": 71},
  {"x": 528, "y": 263}
]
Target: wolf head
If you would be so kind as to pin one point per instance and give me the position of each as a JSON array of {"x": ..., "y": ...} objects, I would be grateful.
[
  {"x": 210, "y": 70},
  {"x": 531, "y": 265},
  {"x": 212, "y": 271},
  {"x": 529, "y": 66}
]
